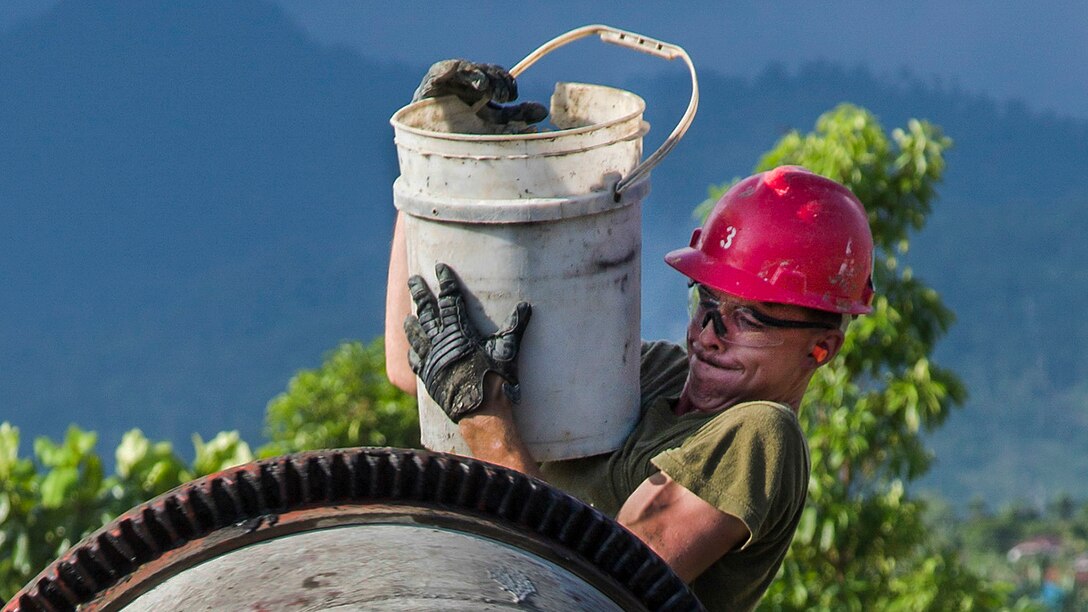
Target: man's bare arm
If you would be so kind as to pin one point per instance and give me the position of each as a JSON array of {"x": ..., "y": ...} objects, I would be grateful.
[
  {"x": 398, "y": 305},
  {"x": 685, "y": 530}
]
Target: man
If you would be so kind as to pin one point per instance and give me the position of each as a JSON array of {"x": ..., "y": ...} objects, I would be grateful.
[{"x": 715, "y": 473}]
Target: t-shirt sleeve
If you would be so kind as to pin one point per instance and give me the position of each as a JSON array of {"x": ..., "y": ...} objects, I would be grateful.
[{"x": 743, "y": 462}]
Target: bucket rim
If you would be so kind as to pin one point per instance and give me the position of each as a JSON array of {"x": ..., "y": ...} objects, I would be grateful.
[{"x": 399, "y": 125}]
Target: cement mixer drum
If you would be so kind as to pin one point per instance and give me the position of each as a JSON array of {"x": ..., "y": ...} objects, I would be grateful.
[{"x": 360, "y": 529}]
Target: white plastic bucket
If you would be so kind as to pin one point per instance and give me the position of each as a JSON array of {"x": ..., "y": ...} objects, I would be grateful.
[{"x": 551, "y": 218}]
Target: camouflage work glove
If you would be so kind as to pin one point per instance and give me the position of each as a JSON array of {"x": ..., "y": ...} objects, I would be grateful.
[
  {"x": 472, "y": 82},
  {"x": 448, "y": 354}
]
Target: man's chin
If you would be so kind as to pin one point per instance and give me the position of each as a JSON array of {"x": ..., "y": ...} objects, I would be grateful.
[{"x": 709, "y": 386}]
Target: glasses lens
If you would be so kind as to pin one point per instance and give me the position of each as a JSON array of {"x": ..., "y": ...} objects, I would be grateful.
[
  {"x": 693, "y": 300},
  {"x": 732, "y": 322},
  {"x": 747, "y": 326},
  {"x": 747, "y": 330}
]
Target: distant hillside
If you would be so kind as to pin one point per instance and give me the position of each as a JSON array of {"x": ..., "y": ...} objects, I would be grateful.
[
  {"x": 187, "y": 212},
  {"x": 196, "y": 203}
]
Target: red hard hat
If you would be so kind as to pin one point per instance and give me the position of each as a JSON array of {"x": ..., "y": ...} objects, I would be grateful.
[{"x": 786, "y": 236}]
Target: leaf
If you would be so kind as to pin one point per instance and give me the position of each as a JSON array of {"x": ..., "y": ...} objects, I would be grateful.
[
  {"x": 79, "y": 442},
  {"x": 20, "y": 556},
  {"x": 132, "y": 450},
  {"x": 5, "y": 508},
  {"x": 827, "y": 535},
  {"x": 225, "y": 450},
  {"x": 57, "y": 485},
  {"x": 9, "y": 447}
]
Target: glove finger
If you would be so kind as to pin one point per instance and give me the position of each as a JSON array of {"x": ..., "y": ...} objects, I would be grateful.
[
  {"x": 504, "y": 345},
  {"x": 419, "y": 346},
  {"x": 417, "y": 338},
  {"x": 447, "y": 280},
  {"x": 503, "y": 87},
  {"x": 426, "y": 305},
  {"x": 436, "y": 82},
  {"x": 461, "y": 319},
  {"x": 449, "y": 294},
  {"x": 451, "y": 304},
  {"x": 518, "y": 320},
  {"x": 420, "y": 292},
  {"x": 471, "y": 80},
  {"x": 526, "y": 112},
  {"x": 467, "y": 80}
]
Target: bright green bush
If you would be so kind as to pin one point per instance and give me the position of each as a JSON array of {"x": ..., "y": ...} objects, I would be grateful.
[
  {"x": 346, "y": 402},
  {"x": 51, "y": 501}
]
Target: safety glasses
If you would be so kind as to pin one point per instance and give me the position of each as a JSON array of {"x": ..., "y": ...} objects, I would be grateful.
[{"x": 740, "y": 324}]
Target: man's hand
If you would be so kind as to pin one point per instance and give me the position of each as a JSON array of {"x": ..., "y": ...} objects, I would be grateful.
[
  {"x": 473, "y": 83},
  {"x": 448, "y": 354}
]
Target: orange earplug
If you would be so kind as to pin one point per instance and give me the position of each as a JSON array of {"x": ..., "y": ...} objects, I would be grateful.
[{"x": 819, "y": 353}]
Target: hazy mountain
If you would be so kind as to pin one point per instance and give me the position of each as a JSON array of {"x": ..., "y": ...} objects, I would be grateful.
[
  {"x": 189, "y": 202},
  {"x": 195, "y": 203}
]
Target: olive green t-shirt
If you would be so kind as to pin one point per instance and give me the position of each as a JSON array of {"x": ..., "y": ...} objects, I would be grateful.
[{"x": 750, "y": 461}]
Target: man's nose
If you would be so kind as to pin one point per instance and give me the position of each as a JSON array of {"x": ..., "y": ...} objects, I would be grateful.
[{"x": 708, "y": 333}]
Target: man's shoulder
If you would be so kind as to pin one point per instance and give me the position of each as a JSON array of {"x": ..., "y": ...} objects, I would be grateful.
[
  {"x": 763, "y": 411},
  {"x": 758, "y": 420},
  {"x": 662, "y": 371},
  {"x": 661, "y": 348}
]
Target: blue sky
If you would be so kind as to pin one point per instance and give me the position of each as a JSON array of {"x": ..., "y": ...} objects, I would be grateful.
[{"x": 1036, "y": 52}]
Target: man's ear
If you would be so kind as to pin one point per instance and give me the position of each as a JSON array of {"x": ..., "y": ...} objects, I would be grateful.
[{"x": 826, "y": 347}]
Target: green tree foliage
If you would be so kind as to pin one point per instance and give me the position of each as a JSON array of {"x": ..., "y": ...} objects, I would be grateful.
[
  {"x": 348, "y": 401},
  {"x": 862, "y": 544},
  {"x": 61, "y": 495},
  {"x": 49, "y": 503}
]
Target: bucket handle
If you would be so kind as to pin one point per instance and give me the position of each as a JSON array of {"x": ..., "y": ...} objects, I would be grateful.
[{"x": 638, "y": 42}]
